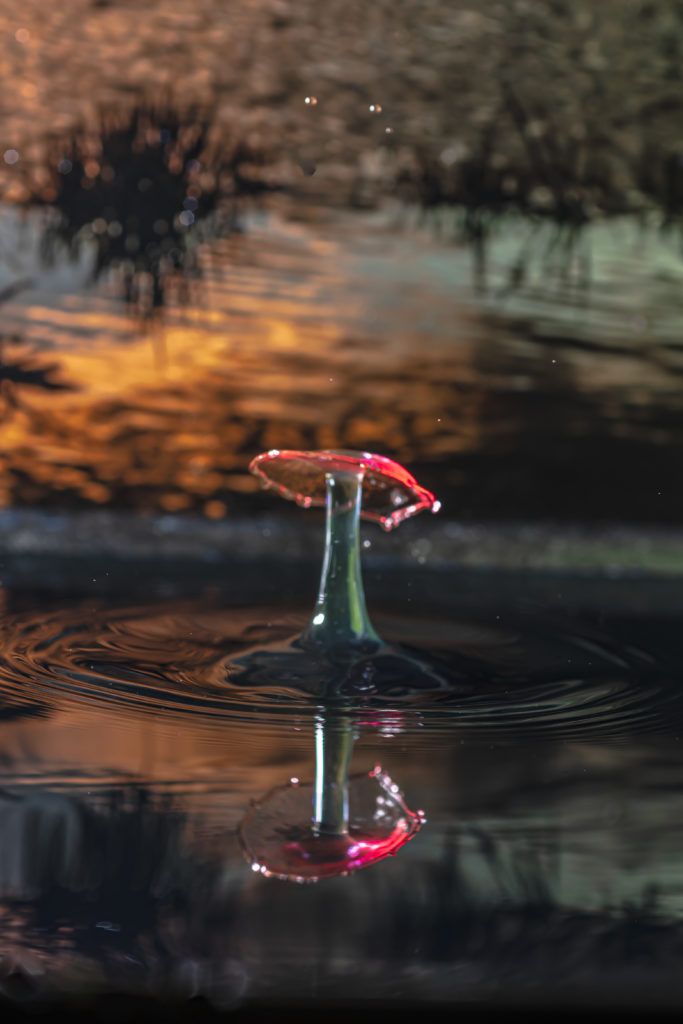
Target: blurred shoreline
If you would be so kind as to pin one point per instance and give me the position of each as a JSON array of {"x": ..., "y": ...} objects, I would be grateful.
[{"x": 111, "y": 538}]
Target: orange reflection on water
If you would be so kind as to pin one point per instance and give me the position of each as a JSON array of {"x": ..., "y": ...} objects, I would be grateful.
[
  {"x": 285, "y": 342},
  {"x": 166, "y": 415}
]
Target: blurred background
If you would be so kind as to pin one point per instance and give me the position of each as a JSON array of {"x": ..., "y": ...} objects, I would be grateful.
[{"x": 445, "y": 231}]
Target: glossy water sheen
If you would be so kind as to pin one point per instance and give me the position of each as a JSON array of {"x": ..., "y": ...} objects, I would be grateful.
[
  {"x": 135, "y": 774},
  {"x": 177, "y": 660}
]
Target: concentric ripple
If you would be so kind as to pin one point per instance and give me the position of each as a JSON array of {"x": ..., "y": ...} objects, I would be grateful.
[{"x": 529, "y": 676}]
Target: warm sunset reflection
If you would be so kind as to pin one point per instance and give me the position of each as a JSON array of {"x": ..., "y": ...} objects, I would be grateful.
[{"x": 300, "y": 345}]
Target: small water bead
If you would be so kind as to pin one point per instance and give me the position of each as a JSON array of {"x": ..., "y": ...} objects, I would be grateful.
[{"x": 420, "y": 550}]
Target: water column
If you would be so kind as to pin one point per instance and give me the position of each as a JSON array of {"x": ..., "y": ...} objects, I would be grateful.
[{"x": 340, "y": 621}]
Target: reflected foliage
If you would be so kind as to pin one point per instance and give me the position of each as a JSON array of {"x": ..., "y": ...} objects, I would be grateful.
[
  {"x": 20, "y": 370},
  {"x": 111, "y": 895},
  {"x": 475, "y": 436},
  {"x": 569, "y": 114},
  {"x": 102, "y": 892},
  {"x": 141, "y": 193}
]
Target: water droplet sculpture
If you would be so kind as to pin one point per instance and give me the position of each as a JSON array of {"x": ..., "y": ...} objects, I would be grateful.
[
  {"x": 339, "y": 655},
  {"x": 303, "y": 832},
  {"x": 339, "y": 823}
]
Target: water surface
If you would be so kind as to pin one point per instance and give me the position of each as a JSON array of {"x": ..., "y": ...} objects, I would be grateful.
[{"x": 128, "y": 763}]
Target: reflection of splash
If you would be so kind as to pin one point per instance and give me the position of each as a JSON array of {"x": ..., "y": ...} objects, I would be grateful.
[{"x": 280, "y": 841}]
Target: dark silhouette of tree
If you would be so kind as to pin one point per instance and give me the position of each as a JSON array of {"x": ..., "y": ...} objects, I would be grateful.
[{"x": 144, "y": 190}]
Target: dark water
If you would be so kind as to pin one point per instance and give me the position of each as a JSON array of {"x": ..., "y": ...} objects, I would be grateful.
[
  {"x": 549, "y": 774},
  {"x": 527, "y": 673}
]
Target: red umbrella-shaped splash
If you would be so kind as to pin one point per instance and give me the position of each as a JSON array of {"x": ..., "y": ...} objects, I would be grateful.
[{"x": 390, "y": 494}]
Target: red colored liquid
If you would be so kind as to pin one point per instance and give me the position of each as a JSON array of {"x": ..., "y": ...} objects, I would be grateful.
[
  {"x": 313, "y": 857},
  {"x": 280, "y": 841},
  {"x": 390, "y": 493}
]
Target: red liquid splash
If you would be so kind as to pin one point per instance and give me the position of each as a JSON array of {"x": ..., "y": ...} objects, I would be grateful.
[{"x": 390, "y": 493}]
